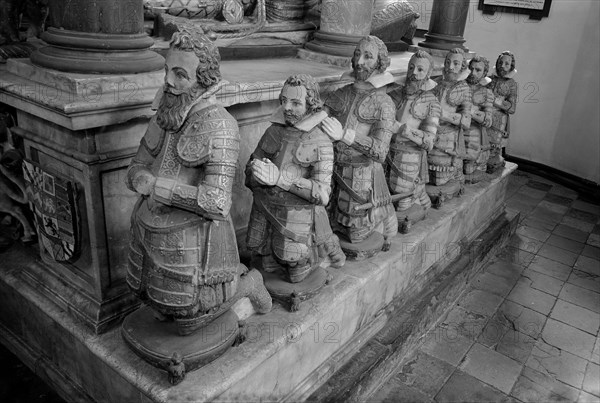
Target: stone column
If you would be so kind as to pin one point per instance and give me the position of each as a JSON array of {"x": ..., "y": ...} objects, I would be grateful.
[
  {"x": 343, "y": 24},
  {"x": 447, "y": 25},
  {"x": 97, "y": 37}
]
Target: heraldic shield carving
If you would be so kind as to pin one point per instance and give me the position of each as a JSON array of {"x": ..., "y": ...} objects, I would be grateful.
[{"x": 53, "y": 199}]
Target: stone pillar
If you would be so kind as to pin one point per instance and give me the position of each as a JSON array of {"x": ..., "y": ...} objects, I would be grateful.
[
  {"x": 447, "y": 25},
  {"x": 343, "y": 24},
  {"x": 97, "y": 37}
]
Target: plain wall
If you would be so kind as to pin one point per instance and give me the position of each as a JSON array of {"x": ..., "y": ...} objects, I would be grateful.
[{"x": 557, "y": 122}]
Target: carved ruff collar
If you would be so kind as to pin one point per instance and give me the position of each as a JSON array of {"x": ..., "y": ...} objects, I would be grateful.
[
  {"x": 376, "y": 80},
  {"x": 307, "y": 124},
  {"x": 511, "y": 74}
]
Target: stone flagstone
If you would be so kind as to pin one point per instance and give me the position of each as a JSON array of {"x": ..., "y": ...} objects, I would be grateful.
[{"x": 491, "y": 367}]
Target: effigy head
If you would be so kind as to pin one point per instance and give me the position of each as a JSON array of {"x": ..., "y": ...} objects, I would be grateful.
[
  {"x": 479, "y": 67},
  {"x": 454, "y": 64},
  {"x": 505, "y": 63},
  {"x": 299, "y": 97},
  {"x": 191, "y": 67},
  {"x": 370, "y": 56},
  {"x": 420, "y": 66}
]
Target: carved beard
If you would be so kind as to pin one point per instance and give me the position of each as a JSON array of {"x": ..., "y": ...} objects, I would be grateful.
[
  {"x": 413, "y": 85},
  {"x": 449, "y": 76},
  {"x": 501, "y": 72},
  {"x": 363, "y": 73},
  {"x": 471, "y": 79},
  {"x": 292, "y": 118},
  {"x": 173, "y": 107}
]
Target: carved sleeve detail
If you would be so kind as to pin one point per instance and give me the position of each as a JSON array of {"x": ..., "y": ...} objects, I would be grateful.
[
  {"x": 212, "y": 196},
  {"x": 510, "y": 103},
  {"x": 465, "y": 104},
  {"x": 317, "y": 187},
  {"x": 268, "y": 147},
  {"x": 141, "y": 163},
  {"x": 376, "y": 145}
]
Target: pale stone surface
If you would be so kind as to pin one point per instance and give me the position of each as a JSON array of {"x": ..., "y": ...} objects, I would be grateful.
[
  {"x": 491, "y": 367},
  {"x": 588, "y": 265},
  {"x": 534, "y": 386},
  {"x": 594, "y": 240},
  {"x": 462, "y": 387},
  {"x": 537, "y": 224},
  {"x": 585, "y": 397},
  {"x": 565, "y": 243},
  {"x": 568, "y": 338},
  {"x": 526, "y": 244},
  {"x": 591, "y": 251},
  {"x": 449, "y": 349},
  {"x": 576, "y": 316},
  {"x": 481, "y": 302},
  {"x": 492, "y": 283},
  {"x": 516, "y": 345},
  {"x": 571, "y": 233},
  {"x": 531, "y": 298},
  {"x": 542, "y": 282},
  {"x": 581, "y": 296},
  {"x": 520, "y": 318},
  {"x": 424, "y": 372},
  {"x": 557, "y": 364},
  {"x": 533, "y": 233},
  {"x": 591, "y": 382},
  {"x": 558, "y": 254}
]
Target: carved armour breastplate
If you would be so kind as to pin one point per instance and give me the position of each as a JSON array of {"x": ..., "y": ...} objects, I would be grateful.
[{"x": 480, "y": 95}]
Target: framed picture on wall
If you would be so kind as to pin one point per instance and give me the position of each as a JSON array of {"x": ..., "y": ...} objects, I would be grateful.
[{"x": 536, "y": 9}]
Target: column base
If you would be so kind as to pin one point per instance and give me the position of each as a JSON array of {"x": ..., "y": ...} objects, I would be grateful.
[
  {"x": 443, "y": 42},
  {"x": 96, "y": 53},
  {"x": 332, "y": 44}
]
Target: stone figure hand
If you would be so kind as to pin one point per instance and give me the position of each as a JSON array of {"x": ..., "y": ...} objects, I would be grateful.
[
  {"x": 499, "y": 102},
  {"x": 144, "y": 183},
  {"x": 333, "y": 128},
  {"x": 265, "y": 172},
  {"x": 479, "y": 116}
]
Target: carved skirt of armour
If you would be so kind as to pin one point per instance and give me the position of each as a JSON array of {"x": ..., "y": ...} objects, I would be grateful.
[
  {"x": 473, "y": 142},
  {"x": 444, "y": 147},
  {"x": 410, "y": 160},
  {"x": 364, "y": 179},
  {"x": 499, "y": 127},
  {"x": 180, "y": 262}
]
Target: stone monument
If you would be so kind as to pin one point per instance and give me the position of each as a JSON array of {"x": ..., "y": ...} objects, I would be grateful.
[
  {"x": 362, "y": 120},
  {"x": 183, "y": 259},
  {"x": 290, "y": 176},
  {"x": 477, "y": 144},
  {"x": 418, "y": 114},
  {"x": 505, "y": 90},
  {"x": 445, "y": 160}
]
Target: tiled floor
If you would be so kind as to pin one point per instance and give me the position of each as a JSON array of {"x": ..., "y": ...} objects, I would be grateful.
[{"x": 527, "y": 329}]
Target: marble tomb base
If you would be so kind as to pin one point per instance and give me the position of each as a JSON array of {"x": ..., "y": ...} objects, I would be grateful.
[{"x": 286, "y": 355}]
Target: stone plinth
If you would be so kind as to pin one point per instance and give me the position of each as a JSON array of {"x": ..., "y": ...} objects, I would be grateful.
[
  {"x": 286, "y": 355},
  {"x": 447, "y": 25}
]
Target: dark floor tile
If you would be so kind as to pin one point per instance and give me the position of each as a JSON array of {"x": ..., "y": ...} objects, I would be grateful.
[
  {"x": 568, "y": 338},
  {"x": 556, "y": 199},
  {"x": 541, "y": 386},
  {"x": 539, "y": 185},
  {"x": 492, "y": 283},
  {"x": 591, "y": 382},
  {"x": 519, "y": 318},
  {"x": 539, "y": 281},
  {"x": 591, "y": 251},
  {"x": 596, "y": 229},
  {"x": 397, "y": 392},
  {"x": 588, "y": 265},
  {"x": 533, "y": 233},
  {"x": 580, "y": 296},
  {"x": 424, "y": 373},
  {"x": 451, "y": 350},
  {"x": 560, "y": 365},
  {"x": 529, "y": 192},
  {"x": 459, "y": 322},
  {"x": 582, "y": 215},
  {"x": 585, "y": 280},
  {"x": 481, "y": 302},
  {"x": 507, "y": 270},
  {"x": 560, "y": 255},
  {"x": 550, "y": 267},
  {"x": 565, "y": 243},
  {"x": 515, "y": 256},
  {"x": 537, "y": 224},
  {"x": 524, "y": 243},
  {"x": 570, "y": 233},
  {"x": 541, "y": 213},
  {"x": 560, "y": 190},
  {"x": 516, "y": 345},
  {"x": 581, "y": 225},
  {"x": 576, "y": 316},
  {"x": 587, "y": 207},
  {"x": 491, "y": 367},
  {"x": 462, "y": 387},
  {"x": 531, "y": 298}
]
